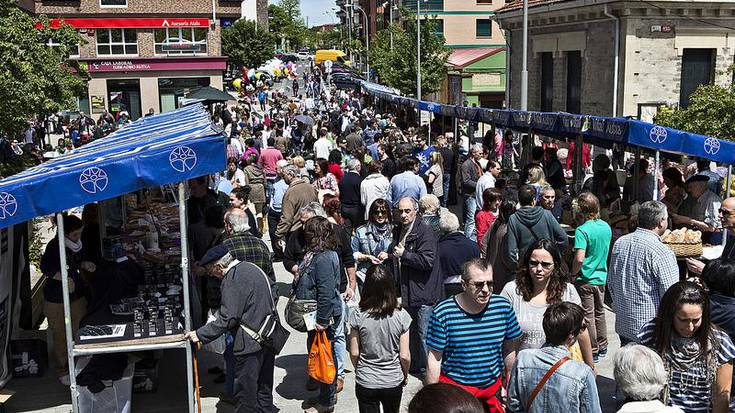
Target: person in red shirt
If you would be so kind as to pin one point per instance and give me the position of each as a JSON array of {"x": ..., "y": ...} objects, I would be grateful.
[
  {"x": 335, "y": 164},
  {"x": 491, "y": 199}
]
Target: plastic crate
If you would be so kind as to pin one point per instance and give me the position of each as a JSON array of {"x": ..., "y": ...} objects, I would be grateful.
[
  {"x": 115, "y": 398},
  {"x": 29, "y": 357}
]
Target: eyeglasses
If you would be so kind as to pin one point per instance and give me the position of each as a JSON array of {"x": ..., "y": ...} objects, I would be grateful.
[
  {"x": 544, "y": 265},
  {"x": 479, "y": 285},
  {"x": 726, "y": 213}
]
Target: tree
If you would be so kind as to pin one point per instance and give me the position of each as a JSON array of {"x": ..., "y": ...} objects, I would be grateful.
[
  {"x": 292, "y": 8},
  {"x": 35, "y": 79},
  {"x": 711, "y": 112},
  {"x": 247, "y": 45},
  {"x": 397, "y": 67}
]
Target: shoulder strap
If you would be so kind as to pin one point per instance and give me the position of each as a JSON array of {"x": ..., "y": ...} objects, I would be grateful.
[
  {"x": 543, "y": 381},
  {"x": 268, "y": 325}
]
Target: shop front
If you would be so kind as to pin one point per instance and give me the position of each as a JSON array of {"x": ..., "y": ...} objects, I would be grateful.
[{"x": 136, "y": 85}]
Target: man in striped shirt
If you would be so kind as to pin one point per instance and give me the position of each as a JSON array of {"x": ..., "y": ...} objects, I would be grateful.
[{"x": 472, "y": 337}]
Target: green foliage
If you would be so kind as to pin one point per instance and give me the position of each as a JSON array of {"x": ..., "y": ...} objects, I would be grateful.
[
  {"x": 711, "y": 112},
  {"x": 397, "y": 68},
  {"x": 331, "y": 39},
  {"x": 35, "y": 79},
  {"x": 247, "y": 45},
  {"x": 285, "y": 22}
]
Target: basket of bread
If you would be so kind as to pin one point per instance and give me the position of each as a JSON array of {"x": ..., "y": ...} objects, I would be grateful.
[{"x": 683, "y": 242}]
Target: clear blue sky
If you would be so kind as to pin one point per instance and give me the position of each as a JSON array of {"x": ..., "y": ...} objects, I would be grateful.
[{"x": 314, "y": 10}]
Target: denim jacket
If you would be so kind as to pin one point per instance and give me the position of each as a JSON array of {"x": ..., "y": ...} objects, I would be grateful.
[
  {"x": 570, "y": 389},
  {"x": 365, "y": 241},
  {"x": 320, "y": 282}
]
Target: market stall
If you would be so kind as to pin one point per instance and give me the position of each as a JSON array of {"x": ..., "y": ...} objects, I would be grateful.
[{"x": 153, "y": 152}]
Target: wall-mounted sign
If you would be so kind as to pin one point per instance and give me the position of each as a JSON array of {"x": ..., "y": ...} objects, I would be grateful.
[
  {"x": 127, "y": 23},
  {"x": 146, "y": 64},
  {"x": 98, "y": 104},
  {"x": 662, "y": 28}
]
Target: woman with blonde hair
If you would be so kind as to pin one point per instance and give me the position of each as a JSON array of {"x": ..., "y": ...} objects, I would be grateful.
[
  {"x": 537, "y": 179},
  {"x": 435, "y": 174}
]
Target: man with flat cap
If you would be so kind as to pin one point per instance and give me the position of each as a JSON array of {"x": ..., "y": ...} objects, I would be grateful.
[
  {"x": 247, "y": 299},
  {"x": 700, "y": 210}
]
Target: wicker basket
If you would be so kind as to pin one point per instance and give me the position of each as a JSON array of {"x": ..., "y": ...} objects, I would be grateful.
[{"x": 683, "y": 249}]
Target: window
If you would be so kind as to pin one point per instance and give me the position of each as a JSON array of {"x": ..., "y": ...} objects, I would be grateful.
[
  {"x": 426, "y": 5},
  {"x": 181, "y": 41},
  {"x": 574, "y": 81},
  {"x": 483, "y": 28},
  {"x": 73, "y": 51},
  {"x": 697, "y": 68},
  {"x": 484, "y": 1},
  {"x": 117, "y": 42},
  {"x": 547, "y": 81},
  {"x": 113, "y": 3}
]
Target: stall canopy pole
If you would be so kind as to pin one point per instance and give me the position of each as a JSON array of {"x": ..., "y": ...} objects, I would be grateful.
[
  {"x": 636, "y": 173},
  {"x": 455, "y": 130},
  {"x": 578, "y": 167},
  {"x": 429, "y": 129},
  {"x": 726, "y": 194},
  {"x": 67, "y": 312},
  {"x": 185, "y": 283},
  {"x": 655, "y": 174}
]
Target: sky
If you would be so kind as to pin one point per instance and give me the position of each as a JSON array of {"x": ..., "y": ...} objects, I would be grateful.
[{"x": 315, "y": 11}]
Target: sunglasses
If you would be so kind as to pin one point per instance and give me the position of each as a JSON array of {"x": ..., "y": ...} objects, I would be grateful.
[
  {"x": 545, "y": 265},
  {"x": 381, "y": 212},
  {"x": 725, "y": 212},
  {"x": 479, "y": 285}
]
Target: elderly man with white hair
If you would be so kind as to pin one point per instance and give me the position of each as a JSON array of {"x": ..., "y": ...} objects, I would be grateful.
[
  {"x": 298, "y": 194},
  {"x": 454, "y": 250},
  {"x": 349, "y": 195},
  {"x": 470, "y": 172},
  {"x": 641, "y": 377}
]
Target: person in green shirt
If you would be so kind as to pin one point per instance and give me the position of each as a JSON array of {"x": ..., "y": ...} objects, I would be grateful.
[{"x": 589, "y": 266}]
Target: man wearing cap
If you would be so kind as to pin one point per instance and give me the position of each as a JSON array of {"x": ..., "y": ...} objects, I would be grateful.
[
  {"x": 727, "y": 220},
  {"x": 700, "y": 209},
  {"x": 246, "y": 299}
]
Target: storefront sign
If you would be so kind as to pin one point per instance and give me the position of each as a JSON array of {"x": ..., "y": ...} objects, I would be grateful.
[
  {"x": 128, "y": 23},
  {"x": 662, "y": 28},
  {"x": 147, "y": 65}
]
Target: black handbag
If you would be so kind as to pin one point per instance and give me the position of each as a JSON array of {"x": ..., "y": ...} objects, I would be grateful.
[
  {"x": 271, "y": 333},
  {"x": 295, "y": 311}
]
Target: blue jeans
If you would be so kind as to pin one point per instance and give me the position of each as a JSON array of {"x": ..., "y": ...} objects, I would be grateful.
[
  {"x": 327, "y": 392},
  {"x": 470, "y": 207},
  {"x": 417, "y": 337},
  {"x": 229, "y": 365},
  {"x": 340, "y": 342},
  {"x": 269, "y": 191},
  {"x": 446, "y": 177}
]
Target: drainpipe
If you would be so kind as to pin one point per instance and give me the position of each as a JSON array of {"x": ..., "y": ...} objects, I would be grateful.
[{"x": 617, "y": 59}]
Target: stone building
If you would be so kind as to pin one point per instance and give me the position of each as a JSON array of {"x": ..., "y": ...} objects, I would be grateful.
[
  {"x": 144, "y": 54},
  {"x": 665, "y": 50}
]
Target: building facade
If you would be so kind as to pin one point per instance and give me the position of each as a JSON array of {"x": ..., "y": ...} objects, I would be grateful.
[
  {"x": 665, "y": 50},
  {"x": 143, "y": 54}
]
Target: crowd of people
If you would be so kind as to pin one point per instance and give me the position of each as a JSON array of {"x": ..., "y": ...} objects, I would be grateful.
[{"x": 499, "y": 307}]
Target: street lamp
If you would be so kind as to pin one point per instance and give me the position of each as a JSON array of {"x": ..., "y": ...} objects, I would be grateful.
[
  {"x": 418, "y": 48},
  {"x": 367, "y": 40},
  {"x": 524, "y": 69},
  {"x": 391, "y": 6}
]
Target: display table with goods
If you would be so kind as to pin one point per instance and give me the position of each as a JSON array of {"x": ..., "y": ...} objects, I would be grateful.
[{"x": 141, "y": 294}]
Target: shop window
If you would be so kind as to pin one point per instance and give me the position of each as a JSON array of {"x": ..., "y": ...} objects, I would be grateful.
[
  {"x": 73, "y": 52},
  {"x": 547, "y": 81},
  {"x": 574, "y": 81},
  {"x": 113, "y": 3},
  {"x": 483, "y": 28},
  {"x": 697, "y": 68},
  {"x": 117, "y": 42},
  {"x": 181, "y": 41}
]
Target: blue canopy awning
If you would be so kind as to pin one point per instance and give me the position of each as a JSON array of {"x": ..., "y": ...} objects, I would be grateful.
[{"x": 152, "y": 151}]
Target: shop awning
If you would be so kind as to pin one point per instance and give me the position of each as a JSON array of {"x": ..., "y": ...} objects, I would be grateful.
[
  {"x": 152, "y": 151},
  {"x": 461, "y": 58}
]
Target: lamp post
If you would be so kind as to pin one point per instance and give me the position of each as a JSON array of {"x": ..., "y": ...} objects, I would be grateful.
[
  {"x": 418, "y": 49},
  {"x": 367, "y": 40},
  {"x": 524, "y": 69}
]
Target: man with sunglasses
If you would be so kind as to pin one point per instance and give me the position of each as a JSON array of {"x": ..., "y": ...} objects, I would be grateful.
[
  {"x": 414, "y": 251},
  {"x": 474, "y": 316},
  {"x": 727, "y": 219}
]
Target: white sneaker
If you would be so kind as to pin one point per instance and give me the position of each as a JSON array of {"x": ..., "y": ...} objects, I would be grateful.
[{"x": 65, "y": 380}]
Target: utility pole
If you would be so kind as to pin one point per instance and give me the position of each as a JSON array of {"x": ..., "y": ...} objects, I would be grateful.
[{"x": 418, "y": 48}]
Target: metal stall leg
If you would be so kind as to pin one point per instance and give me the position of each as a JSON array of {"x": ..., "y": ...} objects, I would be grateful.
[
  {"x": 185, "y": 283},
  {"x": 725, "y": 195},
  {"x": 67, "y": 313},
  {"x": 655, "y": 174}
]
